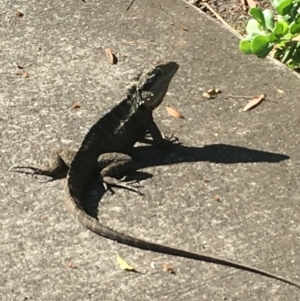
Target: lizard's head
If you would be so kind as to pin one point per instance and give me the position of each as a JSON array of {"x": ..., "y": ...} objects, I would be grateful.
[{"x": 153, "y": 84}]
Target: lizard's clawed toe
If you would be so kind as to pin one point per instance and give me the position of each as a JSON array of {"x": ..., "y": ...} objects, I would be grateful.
[
  {"x": 22, "y": 169},
  {"x": 35, "y": 171},
  {"x": 172, "y": 139},
  {"x": 111, "y": 182}
]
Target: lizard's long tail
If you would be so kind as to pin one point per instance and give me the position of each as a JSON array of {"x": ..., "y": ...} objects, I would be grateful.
[{"x": 95, "y": 226}]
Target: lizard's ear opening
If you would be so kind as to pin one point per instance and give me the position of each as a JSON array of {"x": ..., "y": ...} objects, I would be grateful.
[
  {"x": 146, "y": 95},
  {"x": 148, "y": 100}
]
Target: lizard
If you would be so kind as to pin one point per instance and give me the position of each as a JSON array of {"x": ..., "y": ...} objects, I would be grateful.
[{"x": 115, "y": 134}]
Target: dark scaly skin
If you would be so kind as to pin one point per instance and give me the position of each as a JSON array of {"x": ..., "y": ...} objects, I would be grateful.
[
  {"x": 116, "y": 133},
  {"x": 109, "y": 165},
  {"x": 58, "y": 167}
]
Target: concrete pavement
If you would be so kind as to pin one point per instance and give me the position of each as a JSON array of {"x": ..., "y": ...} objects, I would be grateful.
[{"x": 249, "y": 159}]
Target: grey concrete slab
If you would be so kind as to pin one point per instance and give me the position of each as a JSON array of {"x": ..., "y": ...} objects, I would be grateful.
[{"x": 238, "y": 156}]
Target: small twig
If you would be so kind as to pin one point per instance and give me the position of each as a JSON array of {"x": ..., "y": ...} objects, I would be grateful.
[
  {"x": 245, "y": 96},
  {"x": 130, "y": 4},
  {"x": 128, "y": 42},
  {"x": 238, "y": 96},
  {"x": 243, "y": 3},
  {"x": 219, "y": 18}
]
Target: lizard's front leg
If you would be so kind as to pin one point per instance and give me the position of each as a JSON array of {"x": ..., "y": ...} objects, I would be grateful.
[
  {"x": 115, "y": 166},
  {"x": 158, "y": 139},
  {"x": 57, "y": 169}
]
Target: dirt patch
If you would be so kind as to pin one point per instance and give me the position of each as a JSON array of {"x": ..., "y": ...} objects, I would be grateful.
[{"x": 233, "y": 12}]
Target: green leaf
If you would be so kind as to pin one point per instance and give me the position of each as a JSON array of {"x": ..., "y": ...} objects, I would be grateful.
[
  {"x": 285, "y": 18},
  {"x": 275, "y": 3},
  {"x": 258, "y": 15},
  {"x": 124, "y": 265},
  {"x": 245, "y": 46},
  {"x": 273, "y": 38},
  {"x": 269, "y": 19},
  {"x": 259, "y": 44},
  {"x": 264, "y": 53},
  {"x": 279, "y": 29},
  {"x": 284, "y": 7},
  {"x": 296, "y": 57},
  {"x": 293, "y": 12},
  {"x": 282, "y": 44},
  {"x": 291, "y": 64},
  {"x": 253, "y": 28},
  {"x": 285, "y": 27},
  {"x": 294, "y": 28}
]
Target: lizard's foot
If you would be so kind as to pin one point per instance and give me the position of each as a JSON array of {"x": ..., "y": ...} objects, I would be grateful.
[
  {"x": 167, "y": 141},
  {"x": 111, "y": 182},
  {"x": 163, "y": 142},
  {"x": 171, "y": 139},
  {"x": 53, "y": 173},
  {"x": 34, "y": 170},
  {"x": 57, "y": 169},
  {"x": 15, "y": 169}
]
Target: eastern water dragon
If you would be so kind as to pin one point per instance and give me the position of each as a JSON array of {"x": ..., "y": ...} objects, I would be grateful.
[{"x": 113, "y": 137}]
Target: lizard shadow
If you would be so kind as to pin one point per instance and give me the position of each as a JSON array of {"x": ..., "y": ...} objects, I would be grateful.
[
  {"x": 146, "y": 156},
  {"x": 149, "y": 156}
]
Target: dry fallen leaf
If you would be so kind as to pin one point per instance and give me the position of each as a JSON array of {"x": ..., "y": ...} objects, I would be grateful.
[
  {"x": 254, "y": 102},
  {"x": 211, "y": 93},
  {"x": 174, "y": 113},
  {"x": 184, "y": 28},
  {"x": 75, "y": 106},
  {"x": 251, "y": 3},
  {"x": 111, "y": 56},
  {"x": 217, "y": 198},
  {"x": 25, "y": 74},
  {"x": 18, "y": 66},
  {"x": 279, "y": 91},
  {"x": 71, "y": 265},
  {"x": 19, "y": 14},
  {"x": 167, "y": 268},
  {"x": 124, "y": 265}
]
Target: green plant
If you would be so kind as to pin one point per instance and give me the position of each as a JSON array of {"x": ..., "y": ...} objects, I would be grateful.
[{"x": 279, "y": 31}]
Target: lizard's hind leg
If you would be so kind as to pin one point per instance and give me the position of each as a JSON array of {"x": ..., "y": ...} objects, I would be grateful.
[
  {"x": 114, "y": 169},
  {"x": 57, "y": 169}
]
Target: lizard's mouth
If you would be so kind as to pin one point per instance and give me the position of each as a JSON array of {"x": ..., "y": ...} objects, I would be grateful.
[{"x": 154, "y": 84}]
